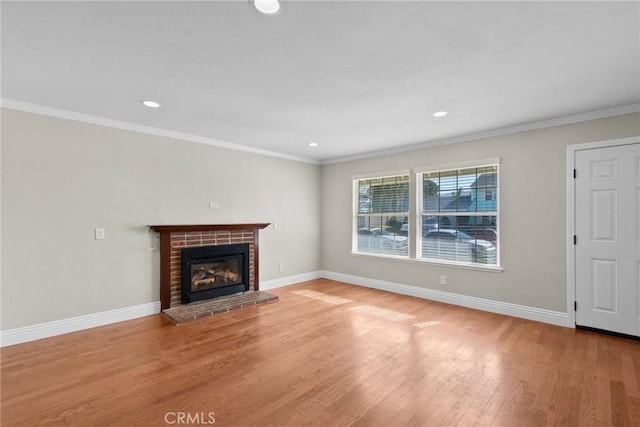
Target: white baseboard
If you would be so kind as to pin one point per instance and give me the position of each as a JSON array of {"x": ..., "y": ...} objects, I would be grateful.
[
  {"x": 65, "y": 326},
  {"x": 525, "y": 312},
  {"x": 289, "y": 280},
  {"x": 59, "y": 327},
  {"x": 73, "y": 324}
]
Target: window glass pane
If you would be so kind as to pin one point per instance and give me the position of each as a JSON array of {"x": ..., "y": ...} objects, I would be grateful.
[
  {"x": 430, "y": 222},
  {"x": 364, "y": 196},
  {"x": 389, "y": 194},
  {"x": 486, "y": 190},
  {"x": 459, "y": 220},
  {"x": 466, "y": 178},
  {"x": 444, "y": 244},
  {"x": 483, "y": 227},
  {"x": 448, "y": 180},
  {"x": 448, "y": 191},
  {"x": 474, "y": 242},
  {"x": 490, "y": 170},
  {"x": 486, "y": 201},
  {"x": 381, "y": 224},
  {"x": 382, "y": 234},
  {"x": 431, "y": 192}
]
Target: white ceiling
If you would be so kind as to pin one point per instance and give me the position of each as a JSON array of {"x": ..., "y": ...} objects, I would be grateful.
[{"x": 354, "y": 76}]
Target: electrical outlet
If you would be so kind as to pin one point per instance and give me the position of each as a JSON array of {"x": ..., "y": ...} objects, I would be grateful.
[
  {"x": 281, "y": 268},
  {"x": 100, "y": 234},
  {"x": 443, "y": 280},
  {"x": 213, "y": 205}
]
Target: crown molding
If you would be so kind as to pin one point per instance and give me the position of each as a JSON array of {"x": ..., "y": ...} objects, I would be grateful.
[
  {"x": 101, "y": 121},
  {"x": 150, "y": 130},
  {"x": 559, "y": 121}
]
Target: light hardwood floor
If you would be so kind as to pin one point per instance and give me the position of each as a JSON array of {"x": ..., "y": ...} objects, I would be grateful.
[{"x": 306, "y": 360}]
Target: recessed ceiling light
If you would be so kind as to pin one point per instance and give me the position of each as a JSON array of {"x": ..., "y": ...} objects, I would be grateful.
[
  {"x": 312, "y": 144},
  {"x": 439, "y": 114},
  {"x": 268, "y": 7},
  {"x": 149, "y": 103}
]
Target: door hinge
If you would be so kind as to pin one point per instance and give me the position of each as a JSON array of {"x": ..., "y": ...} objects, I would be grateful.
[
  {"x": 575, "y": 239},
  {"x": 575, "y": 306},
  {"x": 575, "y": 174}
]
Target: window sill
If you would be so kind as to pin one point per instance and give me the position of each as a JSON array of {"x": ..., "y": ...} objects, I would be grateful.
[{"x": 478, "y": 267}]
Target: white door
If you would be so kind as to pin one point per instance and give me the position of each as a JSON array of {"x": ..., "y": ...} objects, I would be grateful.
[{"x": 607, "y": 224}]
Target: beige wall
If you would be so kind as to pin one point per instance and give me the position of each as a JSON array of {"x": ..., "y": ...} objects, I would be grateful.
[
  {"x": 62, "y": 179},
  {"x": 532, "y": 218}
]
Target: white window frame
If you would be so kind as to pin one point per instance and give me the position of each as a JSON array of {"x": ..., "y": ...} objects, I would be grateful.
[
  {"x": 355, "y": 210},
  {"x": 419, "y": 211}
]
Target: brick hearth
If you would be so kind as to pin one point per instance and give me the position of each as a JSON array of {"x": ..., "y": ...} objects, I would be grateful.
[
  {"x": 197, "y": 310},
  {"x": 173, "y": 238}
]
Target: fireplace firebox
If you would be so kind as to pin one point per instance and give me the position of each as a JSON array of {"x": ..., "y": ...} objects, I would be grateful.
[{"x": 213, "y": 271}]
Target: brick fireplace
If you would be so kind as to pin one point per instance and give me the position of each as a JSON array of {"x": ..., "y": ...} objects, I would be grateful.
[{"x": 174, "y": 238}]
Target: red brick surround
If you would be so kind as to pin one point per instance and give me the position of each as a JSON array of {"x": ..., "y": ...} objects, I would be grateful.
[{"x": 173, "y": 238}]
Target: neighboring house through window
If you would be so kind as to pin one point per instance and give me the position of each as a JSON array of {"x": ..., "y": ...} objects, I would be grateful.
[
  {"x": 456, "y": 218},
  {"x": 458, "y": 214}
]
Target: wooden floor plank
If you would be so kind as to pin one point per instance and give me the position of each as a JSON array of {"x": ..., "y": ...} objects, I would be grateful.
[{"x": 308, "y": 361}]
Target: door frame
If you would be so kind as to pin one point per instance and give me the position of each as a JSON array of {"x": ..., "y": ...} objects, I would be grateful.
[{"x": 571, "y": 219}]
